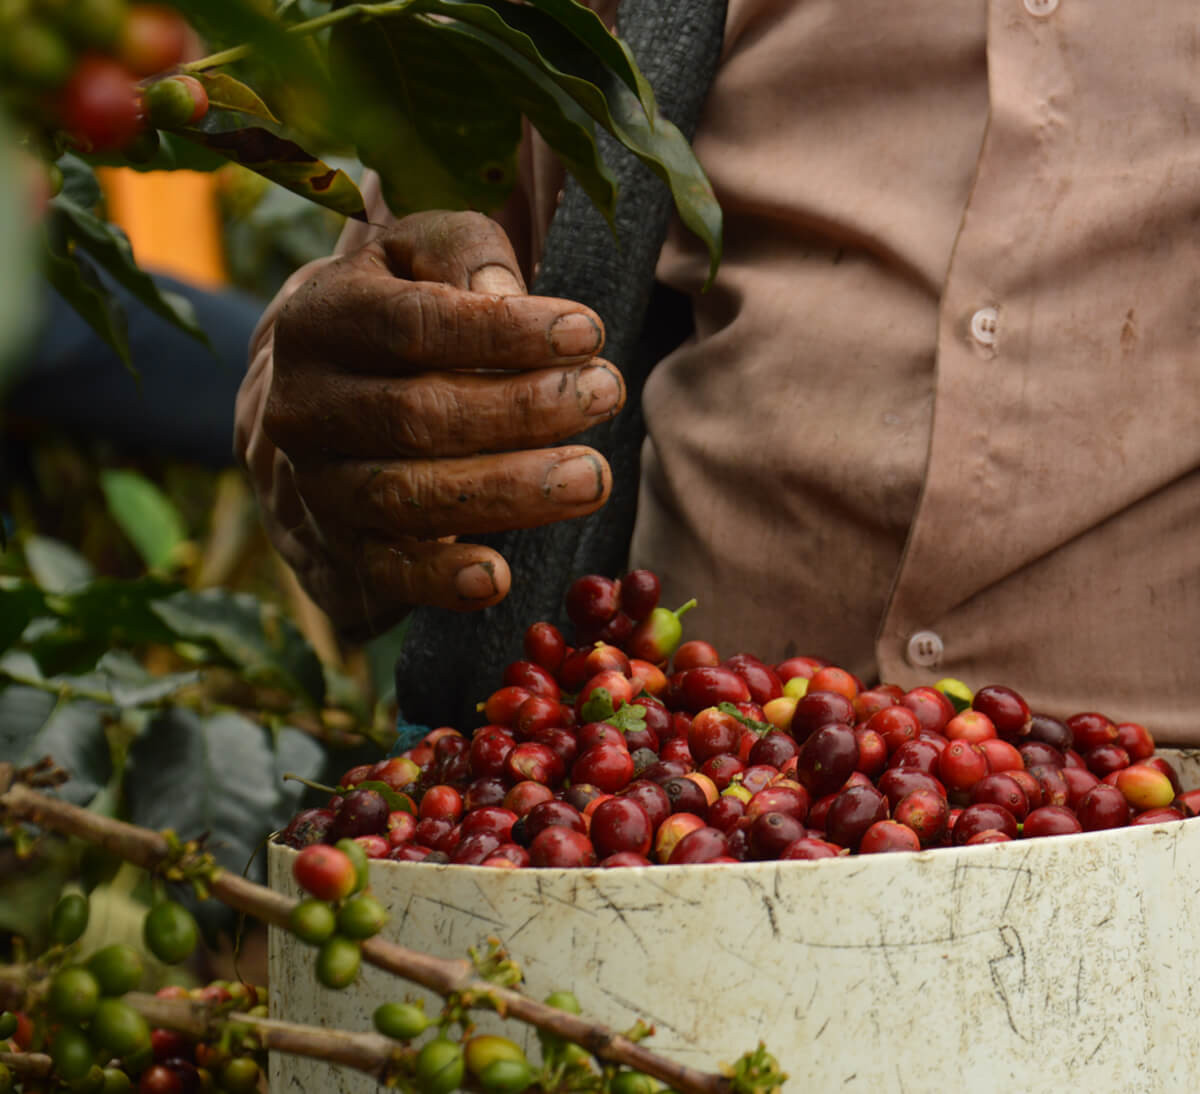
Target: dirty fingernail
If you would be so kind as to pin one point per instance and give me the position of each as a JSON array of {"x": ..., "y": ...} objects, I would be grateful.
[
  {"x": 597, "y": 389},
  {"x": 574, "y": 335},
  {"x": 496, "y": 279},
  {"x": 574, "y": 481},
  {"x": 475, "y": 582}
]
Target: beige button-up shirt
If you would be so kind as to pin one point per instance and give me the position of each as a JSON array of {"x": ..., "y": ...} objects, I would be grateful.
[{"x": 941, "y": 415}]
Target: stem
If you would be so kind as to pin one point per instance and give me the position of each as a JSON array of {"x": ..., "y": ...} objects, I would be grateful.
[
  {"x": 301, "y": 30},
  {"x": 147, "y": 849},
  {"x": 683, "y": 609}
]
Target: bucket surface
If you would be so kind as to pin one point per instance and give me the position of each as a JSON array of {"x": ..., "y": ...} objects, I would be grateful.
[{"x": 1037, "y": 965}]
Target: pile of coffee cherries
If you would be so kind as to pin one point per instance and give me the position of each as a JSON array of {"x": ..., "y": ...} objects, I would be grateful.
[{"x": 627, "y": 748}]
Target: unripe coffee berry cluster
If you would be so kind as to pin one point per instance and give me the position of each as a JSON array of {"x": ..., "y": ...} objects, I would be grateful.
[
  {"x": 97, "y": 73},
  {"x": 97, "y": 1042},
  {"x": 626, "y": 748},
  {"x": 339, "y": 913}
]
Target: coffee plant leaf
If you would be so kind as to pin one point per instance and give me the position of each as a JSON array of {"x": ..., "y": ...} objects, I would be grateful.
[
  {"x": 150, "y": 520},
  {"x": 116, "y": 611},
  {"x": 21, "y": 602},
  {"x": 130, "y": 685},
  {"x": 550, "y": 107},
  {"x": 56, "y": 566},
  {"x": 613, "y": 99},
  {"x": 216, "y": 775},
  {"x": 227, "y": 93},
  {"x": 35, "y": 723},
  {"x": 75, "y": 279},
  {"x": 80, "y": 184},
  {"x": 251, "y": 634},
  {"x": 266, "y": 150},
  {"x": 28, "y": 894},
  {"x": 440, "y": 132},
  {"x": 108, "y": 246}
]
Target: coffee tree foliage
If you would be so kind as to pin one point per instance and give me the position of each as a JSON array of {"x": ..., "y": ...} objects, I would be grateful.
[{"x": 175, "y": 705}]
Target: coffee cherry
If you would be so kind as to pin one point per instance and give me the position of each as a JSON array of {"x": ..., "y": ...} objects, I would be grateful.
[
  {"x": 118, "y": 968},
  {"x": 8, "y": 1025},
  {"x": 99, "y": 104},
  {"x": 338, "y": 962},
  {"x": 240, "y": 1075},
  {"x": 35, "y": 55},
  {"x": 71, "y": 1053},
  {"x": 74, "y": 994},
  {"x": 592, "y": 600},
  {"x": 312, "y": 921},
  {"x": 119, "y": 1029},
  {"x": 69, "y": 919},
  {"x": 175, "y": 102},
  {"x": 400, "y": 1021},
  {"x": 439, "y": 1067},
  {"x": 153, "y": 38},
  {"x": 325, "y": 872},
  {"x": 362, "y": 916},
  {"x": 170, "y": 932}
]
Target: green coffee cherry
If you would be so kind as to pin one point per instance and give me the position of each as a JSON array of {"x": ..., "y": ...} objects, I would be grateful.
[
  {"x": 74, "y": 994},
  {"x": 361, "y": 917},
  {"x": 338, "y": 962},
  {"x": 69, "y": 919},
  {"x": 118, "y": 968},
  {"x": 119, "y": 1029},
  {"x": 401, "y": 1021},
  {"x": 439, "y": 1067},
  {"x": 313, "y": 921},
  {"x": 170, "y": 932},
  {"x": 72, "y": 1054}
]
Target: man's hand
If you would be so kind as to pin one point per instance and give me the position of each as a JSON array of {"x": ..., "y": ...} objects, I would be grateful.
[{"x": 416, "y": 394}]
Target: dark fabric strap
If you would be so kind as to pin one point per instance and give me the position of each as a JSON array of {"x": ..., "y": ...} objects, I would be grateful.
[{"x": 450, "y": 662}]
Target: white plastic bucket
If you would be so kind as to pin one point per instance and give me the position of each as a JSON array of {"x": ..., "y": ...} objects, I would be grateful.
[{"x": 1037, "y": 965}]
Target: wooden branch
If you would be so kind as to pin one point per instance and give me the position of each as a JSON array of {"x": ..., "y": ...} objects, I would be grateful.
[{"x": 148, "y": 849}]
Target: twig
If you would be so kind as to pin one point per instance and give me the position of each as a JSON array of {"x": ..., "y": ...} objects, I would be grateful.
[{"x": 445, "y": 977}]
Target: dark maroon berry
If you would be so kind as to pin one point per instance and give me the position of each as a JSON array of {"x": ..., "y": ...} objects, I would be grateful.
[
  {"x": 592, "y": 600},
  {"x": 362, "y": 813},
  {"x": 640, "y": 590}
]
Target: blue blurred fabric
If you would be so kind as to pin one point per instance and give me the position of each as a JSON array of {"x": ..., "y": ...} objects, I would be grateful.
[{"x": 181, "y": 404}]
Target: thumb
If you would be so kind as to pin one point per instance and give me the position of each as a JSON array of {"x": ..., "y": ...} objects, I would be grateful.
[{"x": 466, "y": 250}]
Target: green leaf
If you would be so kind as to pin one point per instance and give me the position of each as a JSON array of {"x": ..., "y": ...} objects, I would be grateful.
[
  {"x": 761, "y": 728},
  {"x": 146, "y": 515},
  {"x": 56, "y": 566},
  {"x": 77, "y": 282},
  {"x": 213, "y": 775},
  {"x": 266, "y": 150},
  {"x": 27, "y": 896},
  {"x": 253, "y": 635},
  {"x": 80, "y": 184},
  {"x": 20, "y": 603},
  {"x": 120, "y": 611},
  {"x": 226, "y": 93},
  {"x": 629, "y": 717},
  {"x": 33, "y": 724},
  {"x": 130, "y": 685},
  {"x": 550, "y": 108},
  {"x": 394, "y": 799},
  {"x": 18, "y": 301},
  {"x": 609, "y": 98},
  {"x": 109, "y": 248},
  {"x": 440, "y": 133}
]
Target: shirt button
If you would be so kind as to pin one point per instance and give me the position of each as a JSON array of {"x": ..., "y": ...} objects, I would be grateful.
[
  {"x": 983, "y": 326},
  {"x": 1040, "y": 8},
  {"x": 925, "y": 650}
]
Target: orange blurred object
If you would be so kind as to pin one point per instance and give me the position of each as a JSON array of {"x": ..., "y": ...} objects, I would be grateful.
[{"x": 172, "y": 220}]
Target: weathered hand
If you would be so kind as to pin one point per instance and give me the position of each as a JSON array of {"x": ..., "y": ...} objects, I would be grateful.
[{"x": 418, "y": 395}]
